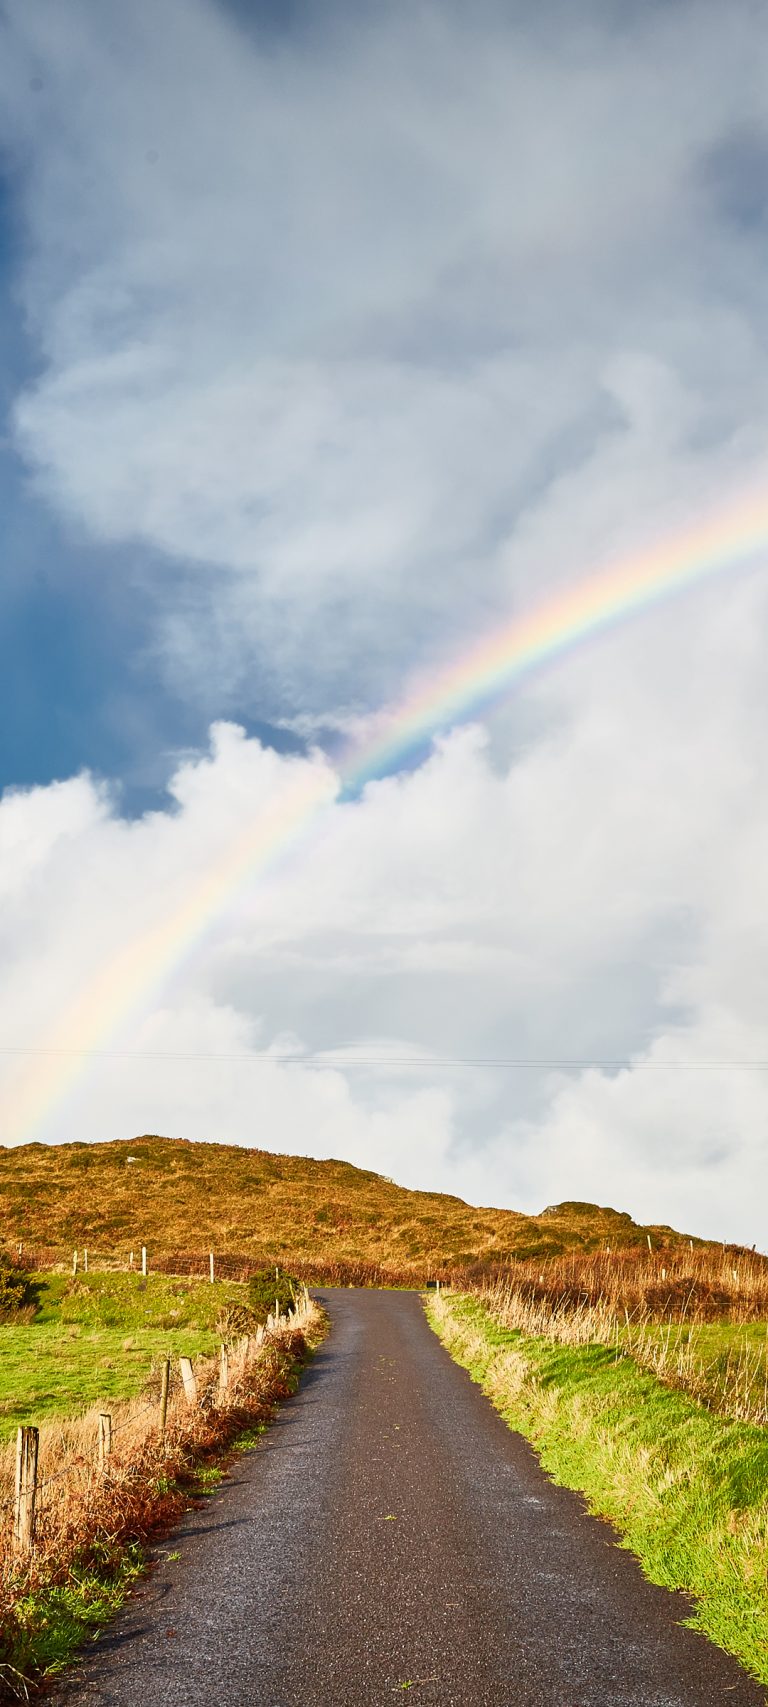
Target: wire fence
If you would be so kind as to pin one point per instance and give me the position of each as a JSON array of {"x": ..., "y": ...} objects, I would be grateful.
[
  {"x": 218, "y": 1384},
  {"x": 238, "y": 1266}
]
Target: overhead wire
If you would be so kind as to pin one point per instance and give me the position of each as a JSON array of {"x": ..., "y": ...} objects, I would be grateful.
[{"x": 344, "y": 1055}]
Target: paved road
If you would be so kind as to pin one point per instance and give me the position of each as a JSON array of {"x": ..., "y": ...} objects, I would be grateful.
[{"x": 391, "y": 1537}]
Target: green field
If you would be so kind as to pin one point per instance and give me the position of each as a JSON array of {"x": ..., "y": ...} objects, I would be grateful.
[
  {"x": 100, "y": 1337},
  {"x": 724, "y": 1364}
]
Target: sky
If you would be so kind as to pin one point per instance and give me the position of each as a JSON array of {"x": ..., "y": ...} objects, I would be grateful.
[{"x": 334, "y": 339}]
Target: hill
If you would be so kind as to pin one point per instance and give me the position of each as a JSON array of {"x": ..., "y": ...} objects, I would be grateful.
[{"x": 179, "y": 1197}]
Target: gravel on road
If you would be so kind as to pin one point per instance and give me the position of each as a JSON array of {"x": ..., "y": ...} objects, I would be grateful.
[{"x": 391, "y": 1538}]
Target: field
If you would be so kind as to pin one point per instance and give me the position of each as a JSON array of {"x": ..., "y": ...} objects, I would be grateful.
[
  {"x": 99, "y": 1338},
  {"x": 697, "y": 1318},
  {"x": 322, "y": 1218}
]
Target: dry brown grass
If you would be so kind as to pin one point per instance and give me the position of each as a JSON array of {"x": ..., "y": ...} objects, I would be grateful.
[
  {"x": 684, "y": 1283},
  {"x": 177, "y": 1197},
  {"x": 695, "y": 1318},
  {"x": 87, "y": 1516}
]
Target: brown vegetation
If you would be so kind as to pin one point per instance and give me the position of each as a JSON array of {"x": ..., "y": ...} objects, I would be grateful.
[
  {"x": 323, "y": 1219},
  {"x": 685, "y": 1283},
  {"x": 695, "y": 1317}
]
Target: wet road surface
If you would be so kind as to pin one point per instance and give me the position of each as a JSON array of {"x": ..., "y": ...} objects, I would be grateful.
[{"x": 390, "y": 1538}]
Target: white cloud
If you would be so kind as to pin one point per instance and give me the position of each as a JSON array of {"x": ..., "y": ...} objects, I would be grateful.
[
  {"x": 601, "y": 897},
  {"x": 368, "y": 334}
]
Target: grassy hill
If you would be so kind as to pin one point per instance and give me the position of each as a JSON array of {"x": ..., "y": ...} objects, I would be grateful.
[{"x": 174, "y": 1196}]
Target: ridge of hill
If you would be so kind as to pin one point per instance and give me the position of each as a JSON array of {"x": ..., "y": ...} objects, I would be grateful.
[{"x": 176, "y": 1196}]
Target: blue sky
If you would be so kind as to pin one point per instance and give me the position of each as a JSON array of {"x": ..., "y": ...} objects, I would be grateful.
[{"x": 330, "y": 339}]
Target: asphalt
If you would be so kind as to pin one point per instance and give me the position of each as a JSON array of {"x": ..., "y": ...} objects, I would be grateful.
[{"x": 388, "y": 1538}]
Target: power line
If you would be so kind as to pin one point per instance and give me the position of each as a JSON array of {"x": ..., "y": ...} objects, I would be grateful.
[{"x": 344, "y": 1056}]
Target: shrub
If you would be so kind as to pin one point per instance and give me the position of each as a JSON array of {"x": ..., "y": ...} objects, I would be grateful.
[
  {"x": 18, "y": 1292},
  {"x": 266, "y": 1287}
]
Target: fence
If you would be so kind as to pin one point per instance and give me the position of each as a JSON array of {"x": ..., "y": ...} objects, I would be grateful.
[
  {"x": 199, "y": 1389},
  {"x": 238, "y": 1266}
]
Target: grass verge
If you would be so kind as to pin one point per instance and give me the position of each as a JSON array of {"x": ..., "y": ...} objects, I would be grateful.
[
  {"x": 93, "y": 1526},
  {"x": 686, "y": 1490}
]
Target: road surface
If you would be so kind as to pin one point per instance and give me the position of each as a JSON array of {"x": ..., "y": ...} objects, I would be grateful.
[{"x": 390, "y": 1538}]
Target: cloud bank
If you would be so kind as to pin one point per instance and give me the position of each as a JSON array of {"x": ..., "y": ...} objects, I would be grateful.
[
  {"x": 356, "y": 325},
  {"x": 363, "y": 335},
  {"x": 595, "y": 898}
]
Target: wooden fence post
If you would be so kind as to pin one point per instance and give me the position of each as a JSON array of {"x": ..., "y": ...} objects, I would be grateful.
[
  {"x": 143, "y": 1259},
  {"x": 130, "y": 1260},
  {"x": 74, "y": 1262},
  {"x": 211, "y": 1267},
  {"x": 188, "y": 1379},
  {"x": 105, "y": 1438},
  {"x": 165, "y": 1381},
  {"x": 27, "y": 1444},
  {"x": 223, "y": 1371}
]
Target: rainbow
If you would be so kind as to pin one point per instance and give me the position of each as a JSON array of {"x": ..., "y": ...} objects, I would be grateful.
[{"x": 115, "y": 989}]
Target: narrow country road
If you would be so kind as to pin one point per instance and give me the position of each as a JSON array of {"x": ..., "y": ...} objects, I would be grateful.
[{"x": 390, "y": 1537}]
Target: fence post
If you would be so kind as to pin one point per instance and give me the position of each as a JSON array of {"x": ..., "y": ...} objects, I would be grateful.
[
  {"x": 85, "y": 1262},
  {"x": 143, "y": 1259},
  {"x": 188, "y": 1379},
  {"x": 105, "y": 1438},
  {"x": 27, "y": 1444},
  {"x": 223, "y": 1371},
  {"x": 211, "y": 1267},
  {"x": 74, "y": 1262},
  {"x": 130, "y": 1260},
  {"x": 648, "y": 1237},
  {"x": 165, "y": 1380}
]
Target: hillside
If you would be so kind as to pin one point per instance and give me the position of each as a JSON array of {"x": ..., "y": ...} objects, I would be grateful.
[{"x": 174, "y": 1196}]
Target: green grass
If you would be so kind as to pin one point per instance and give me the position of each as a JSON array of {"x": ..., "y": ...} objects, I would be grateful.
[
  {"x": 686, "y": 1490},
  {"x": 725, "y": 1364},
  {"x": 54, "y": 1622},
  {"x": 713, "y": 1341},
  {"x": 99, "y": 1338}
]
